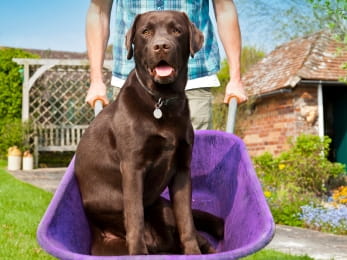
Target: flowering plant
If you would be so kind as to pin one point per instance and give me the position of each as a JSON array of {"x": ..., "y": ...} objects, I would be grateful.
[
  {"x": 340, "y": 195},
  {"x": 329, "y": 218},
  {"x": 304, "y": 165}
]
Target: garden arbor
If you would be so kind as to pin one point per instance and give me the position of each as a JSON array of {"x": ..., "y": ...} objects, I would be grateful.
[{"x": 54, "y": 92}]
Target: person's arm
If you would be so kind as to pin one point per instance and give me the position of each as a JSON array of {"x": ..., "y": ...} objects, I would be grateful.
[
  {"x": 97, "y": 35},
  {"x": 230, "y": 36}
]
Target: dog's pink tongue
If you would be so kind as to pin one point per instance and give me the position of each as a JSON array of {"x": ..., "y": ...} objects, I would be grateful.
[{"x": 163, "y": 71}]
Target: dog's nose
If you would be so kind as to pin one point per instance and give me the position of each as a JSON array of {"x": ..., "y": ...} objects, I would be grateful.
[{"x": 160, "y": 46}]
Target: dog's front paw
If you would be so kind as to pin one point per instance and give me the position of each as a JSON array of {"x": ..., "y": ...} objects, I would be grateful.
[{"x": 191, "y": 248}]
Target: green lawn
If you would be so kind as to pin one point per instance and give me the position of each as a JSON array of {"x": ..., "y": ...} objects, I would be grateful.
[
  {"x": 21, "y": 208},
  {"x": 274, "y": 255}
]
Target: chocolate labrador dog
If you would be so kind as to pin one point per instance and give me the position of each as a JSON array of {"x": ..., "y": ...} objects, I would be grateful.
[{"x": 142, "y": 143}]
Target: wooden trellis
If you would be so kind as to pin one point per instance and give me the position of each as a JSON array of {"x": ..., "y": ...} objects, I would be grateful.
[{"x": 54, "y": 92}]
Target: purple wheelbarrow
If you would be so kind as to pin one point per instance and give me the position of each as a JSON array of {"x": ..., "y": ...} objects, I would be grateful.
[{"x": 224, "y": 184}]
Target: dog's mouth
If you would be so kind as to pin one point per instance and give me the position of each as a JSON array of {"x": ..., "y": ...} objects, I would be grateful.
[{"x": 162, "y": 70}]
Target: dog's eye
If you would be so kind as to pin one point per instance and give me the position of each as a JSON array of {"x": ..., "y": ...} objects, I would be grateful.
[
  {"x": 146, "y": 32},
  {"x": 176, "y": 31}
]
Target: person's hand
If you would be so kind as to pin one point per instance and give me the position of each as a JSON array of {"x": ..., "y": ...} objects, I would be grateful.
[
  {"x": 235, "y": 88},
  {"x": 97, "y": 91}
]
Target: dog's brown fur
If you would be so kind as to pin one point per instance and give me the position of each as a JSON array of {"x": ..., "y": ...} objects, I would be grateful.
[{"x": 126, "y": 158}]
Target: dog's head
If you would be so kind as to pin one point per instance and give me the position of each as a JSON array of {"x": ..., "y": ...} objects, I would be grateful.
[{"x": 161, "y": 43}]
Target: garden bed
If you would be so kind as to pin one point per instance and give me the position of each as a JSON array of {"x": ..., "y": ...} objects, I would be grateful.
[{"x": 303, "y": 188}]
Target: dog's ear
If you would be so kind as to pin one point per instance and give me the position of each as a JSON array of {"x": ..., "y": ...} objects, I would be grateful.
[
  {"x": 196, "y": 38},
  {"x": 129, "y": 38}
]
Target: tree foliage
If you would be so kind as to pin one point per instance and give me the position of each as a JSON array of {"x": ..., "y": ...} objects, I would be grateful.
[
  {"x": 301, "y": 18},
  {"x": 335, "y": 14},
  {"x": 297, "y": 19},
  {"x": 11, "y": 82},
  {"x": 12, "y": 130},
  {"x": 276, "y": 22},
  {"x": 336, "y": 11}
]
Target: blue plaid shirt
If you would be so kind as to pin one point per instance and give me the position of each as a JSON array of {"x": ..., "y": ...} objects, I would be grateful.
[{"x": 205, "y": 62}]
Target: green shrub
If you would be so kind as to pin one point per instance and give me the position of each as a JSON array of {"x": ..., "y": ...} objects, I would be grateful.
[
  {"x": 308, "y": 165},
  {"x": 11, "y": 82},
  {"x": 286, "y": 201},
  {"x": 220, "y": 113},
  {"x": 295, "y": 177},
  {"x": 12, "y": 131},
  {"x": 305, "y": 165},
  {"x": 267, "y": 168}
]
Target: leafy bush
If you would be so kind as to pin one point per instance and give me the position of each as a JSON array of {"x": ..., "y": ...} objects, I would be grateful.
[
  {"x": 293, "y": 179},
  {"x": 12, "y": 131},
  {"x": 305, "y": 165},
  {"x": 286, "y": 202},
  {"x": 220, "y": 113},
  {"x": 11, "y": 82}
]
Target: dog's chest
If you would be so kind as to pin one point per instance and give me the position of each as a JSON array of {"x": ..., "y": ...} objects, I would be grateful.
[{"x": 162, "y": 164}]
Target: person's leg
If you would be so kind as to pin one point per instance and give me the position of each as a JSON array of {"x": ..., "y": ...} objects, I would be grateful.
[{"x": 200, "y": 105}]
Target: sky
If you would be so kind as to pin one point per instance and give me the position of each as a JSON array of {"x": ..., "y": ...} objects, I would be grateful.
[
  {"x": 39, "y": 24},
  {"x": 60, "y": 24}
]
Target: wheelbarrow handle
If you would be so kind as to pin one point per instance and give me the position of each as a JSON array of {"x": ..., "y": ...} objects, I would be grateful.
[
  {"x": 231, "y": 115},
  {"x": 98, "y": 106}
]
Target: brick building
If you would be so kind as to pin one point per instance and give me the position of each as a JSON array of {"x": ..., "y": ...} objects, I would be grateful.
[{"x": 294, "y": 90}]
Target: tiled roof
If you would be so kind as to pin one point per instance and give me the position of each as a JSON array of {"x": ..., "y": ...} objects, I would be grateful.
[{"x": 313, "y": 57}]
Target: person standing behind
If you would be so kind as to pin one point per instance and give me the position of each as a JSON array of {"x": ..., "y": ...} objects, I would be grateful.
[{"x": 202, "y": 68}]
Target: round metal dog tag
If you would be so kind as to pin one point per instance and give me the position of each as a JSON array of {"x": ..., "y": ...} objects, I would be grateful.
[{"x": 157, "y": 113}]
